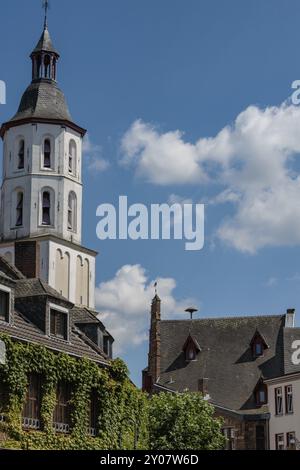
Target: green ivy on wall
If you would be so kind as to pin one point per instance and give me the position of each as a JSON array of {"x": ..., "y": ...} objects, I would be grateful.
[{"x": 122, "y": 420}]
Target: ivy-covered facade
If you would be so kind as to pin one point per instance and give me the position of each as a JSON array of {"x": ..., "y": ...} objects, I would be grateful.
[{"x": 59, "y": 387}]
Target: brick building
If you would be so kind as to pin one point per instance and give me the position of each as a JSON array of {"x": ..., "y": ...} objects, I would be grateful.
[{"x": 227, "y": 360}]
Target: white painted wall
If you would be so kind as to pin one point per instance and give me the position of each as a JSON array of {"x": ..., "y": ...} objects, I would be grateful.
[
  {"x": 286, "y": 422},
  {"x": 74, "y": 296},
  {"x": 33, "y": 178},
  {"x": 54, "y": 275}
]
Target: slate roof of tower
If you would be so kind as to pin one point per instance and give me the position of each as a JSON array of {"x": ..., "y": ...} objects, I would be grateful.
[
  {"x": 225, "y": 359},
  {"x": 45, "y": 43},
  {"x": 43, "y": 100}
]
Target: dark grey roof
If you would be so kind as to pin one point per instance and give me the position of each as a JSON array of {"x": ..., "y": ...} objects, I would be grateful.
[
  {"x": 37, "y": 287},
  {"x": 10, "y": 270},
  {"x": 85, "y": 315},
  {"x": 45, "y": 43},
  {"x": 78, "y": 345},
  {"x": 225, "y": 358},
  {"x": 43, "y": 100}
]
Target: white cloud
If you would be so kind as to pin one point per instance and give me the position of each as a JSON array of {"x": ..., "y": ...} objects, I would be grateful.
[
  {"x": 160, "y": 158},
  {"x": 253, "y": 160},
  {"x": 124, "y": 303},
  {"x": 93, "y": 156},
  {"x": 271, "y": 282}
]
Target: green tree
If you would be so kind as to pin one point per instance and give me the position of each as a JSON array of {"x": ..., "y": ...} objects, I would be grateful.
[{"x": 183, "y": 422}]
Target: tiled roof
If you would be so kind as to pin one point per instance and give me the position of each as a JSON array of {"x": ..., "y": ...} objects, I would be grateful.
[
  {"x": 84, "y": 315},
  {"x": 78, "y": 345},
  {"x": 43, "y": 100},
  {"x": 36, "y": 287},
  {"x": 11, "y": 271},
  {"x": 225, "y": 359}
]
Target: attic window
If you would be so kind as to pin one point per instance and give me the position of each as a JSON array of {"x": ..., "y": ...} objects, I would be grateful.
[
  {"x": 107, "y": 346},
  {"x": 191, "y": 348},
  {"x": 190, "y": 353},
  {"x": 58, "y": 324},
  {"x": 4, "y": 306},
  {"x": 258, "y": 345},
  {"x": 261, "y": 394}
]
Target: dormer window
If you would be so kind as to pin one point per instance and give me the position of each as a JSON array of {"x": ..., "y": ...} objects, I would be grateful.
[
  {"x": 107, "y": 346},
  {"x": 4, "y": 305},
  {"x": 261, "y": 394},
  {"x": 191, "y": 348},
  {"x": 59, "y": 324},
  {"x": 258, "y": 345}
]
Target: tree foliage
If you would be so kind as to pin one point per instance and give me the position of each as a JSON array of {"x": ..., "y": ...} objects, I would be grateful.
[{"x": 183, "y": 422}]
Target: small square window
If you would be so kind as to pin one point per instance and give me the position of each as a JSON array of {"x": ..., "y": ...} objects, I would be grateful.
[
  {"x": 58, "y": 324},
  {"x": 4, "y": 306}
]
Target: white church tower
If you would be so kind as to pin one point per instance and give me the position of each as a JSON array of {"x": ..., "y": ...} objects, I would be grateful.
[{"x": 41, "y": 194}]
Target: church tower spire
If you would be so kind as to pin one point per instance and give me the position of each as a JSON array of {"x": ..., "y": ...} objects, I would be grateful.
[
  {"x": 41, "y": 193},
  {"x": 44, "y": 58}
]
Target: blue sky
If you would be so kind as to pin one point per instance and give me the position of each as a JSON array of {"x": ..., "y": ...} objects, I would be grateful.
[{"x": 193, "y": 67}]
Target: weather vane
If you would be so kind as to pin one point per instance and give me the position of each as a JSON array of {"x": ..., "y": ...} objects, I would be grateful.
[
  {"x": 46, "y": 7},
  {"x": 155, "y": 287}
]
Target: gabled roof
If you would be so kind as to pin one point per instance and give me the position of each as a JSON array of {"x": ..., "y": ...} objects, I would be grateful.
[
  {"x": 258, "y": 335},
  {"x": 226, "y": 358},
  {"x": 191, "y": 340}
]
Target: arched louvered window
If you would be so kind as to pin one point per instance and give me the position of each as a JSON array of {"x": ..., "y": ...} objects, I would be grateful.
[
  {"x": 72, "y": 212},
  {"x": 72, "y": 157},
  {"x": 47, "y": 68},
  {"x": 21, "y": 154},
  {"x": 46, "y": 208},
  {"x": 47, "y": 154},
  {"x": 19, "y": 209}
]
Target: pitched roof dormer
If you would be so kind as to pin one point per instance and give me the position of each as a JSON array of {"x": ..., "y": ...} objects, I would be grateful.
[
  {"x": 258, "y": 344},
  {"x": 191, "y": 348}
]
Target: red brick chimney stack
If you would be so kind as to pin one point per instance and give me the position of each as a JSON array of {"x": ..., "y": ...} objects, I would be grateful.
[{"x": 154, "y": 349}]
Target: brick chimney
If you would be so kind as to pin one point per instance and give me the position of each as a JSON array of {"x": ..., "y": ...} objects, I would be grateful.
[{"x": 154, "y": 341}]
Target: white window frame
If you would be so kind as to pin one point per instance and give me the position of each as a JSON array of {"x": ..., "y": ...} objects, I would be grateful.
[
  {"x": 7, "y": 290},
  {"x": 59, "y": 309},
  {"x": 281, "y": 436},
  {"x": 51, "y": 191},
  {"x": 288, "y": 394},
  {"x": 52, "y": 154},
  {"x": 277, "y": 397}
]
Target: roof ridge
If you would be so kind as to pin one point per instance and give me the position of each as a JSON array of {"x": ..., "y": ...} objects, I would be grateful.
[{"x": 238, "y": 317}]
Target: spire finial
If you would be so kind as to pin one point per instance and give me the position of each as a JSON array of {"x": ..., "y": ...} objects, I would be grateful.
[
  {"x": 46, "y": 8},
  {"x": 155, "y": 287}
]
